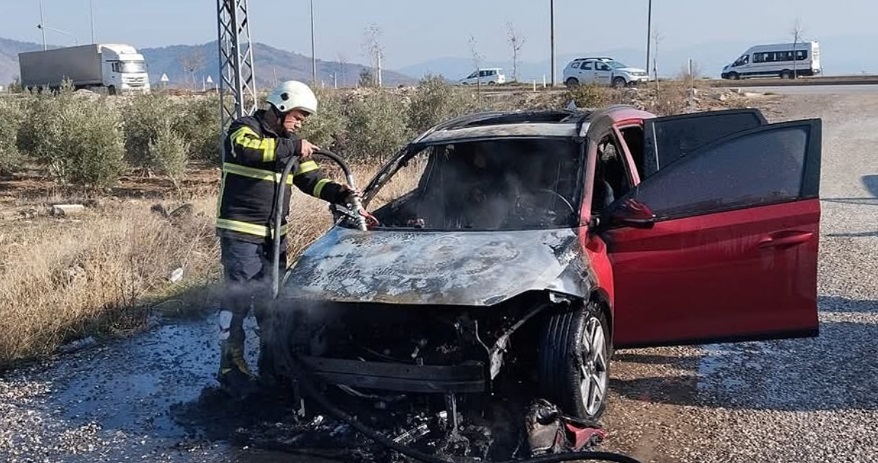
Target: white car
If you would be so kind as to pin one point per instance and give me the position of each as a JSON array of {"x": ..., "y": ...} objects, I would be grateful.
[
  {"x": 602, "y": 71},
  {"x": 489, "y": 76}
]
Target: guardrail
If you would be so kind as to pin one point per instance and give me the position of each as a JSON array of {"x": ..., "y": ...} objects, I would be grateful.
[
  {"x": 722, "y": 83},
  {"x": 800, "y": 81}
]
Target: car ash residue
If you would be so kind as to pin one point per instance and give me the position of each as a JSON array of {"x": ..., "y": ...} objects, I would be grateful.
[{"x": 429, "y": 267}]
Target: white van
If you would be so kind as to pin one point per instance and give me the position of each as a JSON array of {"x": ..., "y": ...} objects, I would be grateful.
[
  {"x": 776, "y": 60},
  {"x": 489, "y": 76}
]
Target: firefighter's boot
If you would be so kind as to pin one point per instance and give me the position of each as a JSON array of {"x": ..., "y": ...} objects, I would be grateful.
[{"x": 234, "y": 374}]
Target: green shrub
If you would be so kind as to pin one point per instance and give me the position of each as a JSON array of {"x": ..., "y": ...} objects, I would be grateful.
[
  {"x": 377, "y": 125},
  {"x": 143, "y": 117},
  {"x": 11, "y": 118},
  {"x": 198, "y": 122},
  {"x": 587, "y": 96},
  {"x": 78, "y": 138},
  {"x": 170, "y": 152},
  {"x": 326, "y": 129},
  {"x": 93, "y": 142},
  {"x": 434, "y": 101},
  {"x": 37, "y": 119}
]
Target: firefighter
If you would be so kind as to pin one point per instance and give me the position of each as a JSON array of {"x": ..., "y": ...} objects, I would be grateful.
[{"x": 257, "y": 148}]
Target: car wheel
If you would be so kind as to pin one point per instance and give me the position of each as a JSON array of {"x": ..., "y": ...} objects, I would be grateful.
[
  {"x": 619, "y": 82},
  {"x": 571, "y": 82},
  {"x": 574, "y": 361}
]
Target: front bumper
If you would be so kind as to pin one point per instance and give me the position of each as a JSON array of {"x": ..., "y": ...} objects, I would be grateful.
[{"x": 466, "y": 378}]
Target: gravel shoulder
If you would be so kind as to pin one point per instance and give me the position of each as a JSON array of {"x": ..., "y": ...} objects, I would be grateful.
[
  {"x": 805, "y": 400},
  {"x": 808, "y": 400}
]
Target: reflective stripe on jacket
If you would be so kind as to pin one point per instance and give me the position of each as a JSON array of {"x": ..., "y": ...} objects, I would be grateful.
[{"x": 254, "y": 161}]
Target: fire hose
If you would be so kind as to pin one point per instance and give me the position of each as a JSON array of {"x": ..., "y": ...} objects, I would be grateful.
[
  {"x": 311, "y": 390},
  {"x": 278, "y": 216}
]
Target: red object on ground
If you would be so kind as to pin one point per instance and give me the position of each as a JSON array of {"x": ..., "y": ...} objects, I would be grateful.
[{"x": 581, "y": 437}]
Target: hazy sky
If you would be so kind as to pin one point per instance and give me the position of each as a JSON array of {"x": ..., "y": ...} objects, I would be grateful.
[{"x": 415, "y": 31}]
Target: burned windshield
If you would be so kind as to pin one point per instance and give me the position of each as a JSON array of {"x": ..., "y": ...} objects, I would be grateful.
[{"x": 499, "y": 184}]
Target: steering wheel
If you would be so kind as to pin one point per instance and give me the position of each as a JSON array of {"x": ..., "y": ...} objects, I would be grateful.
[
  {"x": 535, "y": 209},
  {"x": 559, "y": 196}
]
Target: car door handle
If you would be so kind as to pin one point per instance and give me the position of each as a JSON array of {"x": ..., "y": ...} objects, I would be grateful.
[{"x": 785, "y": 239}]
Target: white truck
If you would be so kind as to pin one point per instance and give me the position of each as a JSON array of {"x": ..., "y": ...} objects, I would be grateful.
[
  {"x": 118, "y": 68},
  {"x": 784, "y": 60}
]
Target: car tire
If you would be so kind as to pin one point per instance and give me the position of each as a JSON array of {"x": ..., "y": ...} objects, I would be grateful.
[
  {"x": 619, "y": 82},
  {"x": 573, "y": 361},
  {"x": 571, "y": 82}
]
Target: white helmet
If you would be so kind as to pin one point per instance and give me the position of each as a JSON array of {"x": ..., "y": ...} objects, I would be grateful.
[{"x": 292, "y": 95}]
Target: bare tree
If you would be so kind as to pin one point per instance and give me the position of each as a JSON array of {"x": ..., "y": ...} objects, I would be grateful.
[
  {"x": 373, "y": 49},
  {"x": 797, "y": 31},
  {"x": 343, "y": 64},
  {"x": 193, "y": 62},
  {"x": 516, "y": 41},
  {"x": 656, "y": 39},
  {"x": 478, "y": 58}
]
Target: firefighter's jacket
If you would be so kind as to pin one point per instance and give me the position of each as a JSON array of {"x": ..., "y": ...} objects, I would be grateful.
[{"x": 254, "y": 161}]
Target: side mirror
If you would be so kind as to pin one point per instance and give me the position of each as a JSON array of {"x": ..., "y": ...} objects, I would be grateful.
[{"x": 632, "y": 213}]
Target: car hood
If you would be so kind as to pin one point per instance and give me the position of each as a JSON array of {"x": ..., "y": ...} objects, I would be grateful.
[{"x": 470, "y": 268}]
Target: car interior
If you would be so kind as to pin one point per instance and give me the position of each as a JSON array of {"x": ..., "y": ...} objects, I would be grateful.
[
  {"x": 489, "y": 185},
  {"x": 612, "y": 180}
]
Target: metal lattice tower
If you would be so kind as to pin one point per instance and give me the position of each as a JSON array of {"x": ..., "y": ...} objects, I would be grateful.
[{"x": 236, "y": 62}]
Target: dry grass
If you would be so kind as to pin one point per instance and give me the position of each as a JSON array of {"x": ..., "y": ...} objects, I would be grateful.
[
  {"x": 103, "y": 273},
  {"x": 96, "y": 276}
]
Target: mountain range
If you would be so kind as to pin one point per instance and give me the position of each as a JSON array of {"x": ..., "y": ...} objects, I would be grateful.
[
  {"x": 841, "y": 55},
  {"x": 190, "y": 65}
]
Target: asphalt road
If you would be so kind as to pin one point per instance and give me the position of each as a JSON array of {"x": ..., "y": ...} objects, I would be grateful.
[{"x": 816, "y": 89}]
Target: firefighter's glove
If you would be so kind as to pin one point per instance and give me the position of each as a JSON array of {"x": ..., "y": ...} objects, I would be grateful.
[{"x": 348, "y": 196}]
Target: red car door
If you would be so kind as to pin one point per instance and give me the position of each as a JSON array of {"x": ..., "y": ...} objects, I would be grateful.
[{"x": 721, "y": 245}]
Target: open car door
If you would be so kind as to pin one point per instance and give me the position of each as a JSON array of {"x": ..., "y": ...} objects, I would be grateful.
[
  {"x": 668, "y": 138},
  {"x": 722, "y": 244}
]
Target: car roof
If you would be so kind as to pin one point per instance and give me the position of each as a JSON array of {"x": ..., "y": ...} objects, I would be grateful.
[
  {"x": 599, "y": 58},
  {"x": 536, "y": 123},
  {"x": 524, "y": 129}
]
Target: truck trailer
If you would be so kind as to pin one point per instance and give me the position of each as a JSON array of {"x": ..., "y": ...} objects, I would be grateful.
[{"x": 117, "y": 67}]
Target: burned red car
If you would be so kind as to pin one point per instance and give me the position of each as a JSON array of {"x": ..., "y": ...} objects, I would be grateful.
[{"x": 517, "y": 250}]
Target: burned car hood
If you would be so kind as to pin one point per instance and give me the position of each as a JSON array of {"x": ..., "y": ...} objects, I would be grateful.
[{"x": 425, "y": 267}]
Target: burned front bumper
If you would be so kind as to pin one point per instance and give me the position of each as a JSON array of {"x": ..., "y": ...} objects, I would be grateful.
[{"x": 464, "y": 378}]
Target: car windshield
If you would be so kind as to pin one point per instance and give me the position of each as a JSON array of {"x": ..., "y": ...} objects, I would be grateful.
[
  {"x": 133, "y": 66},
  {"x": 616, "y": 64},
  {"x": 497, "y": 184}
]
